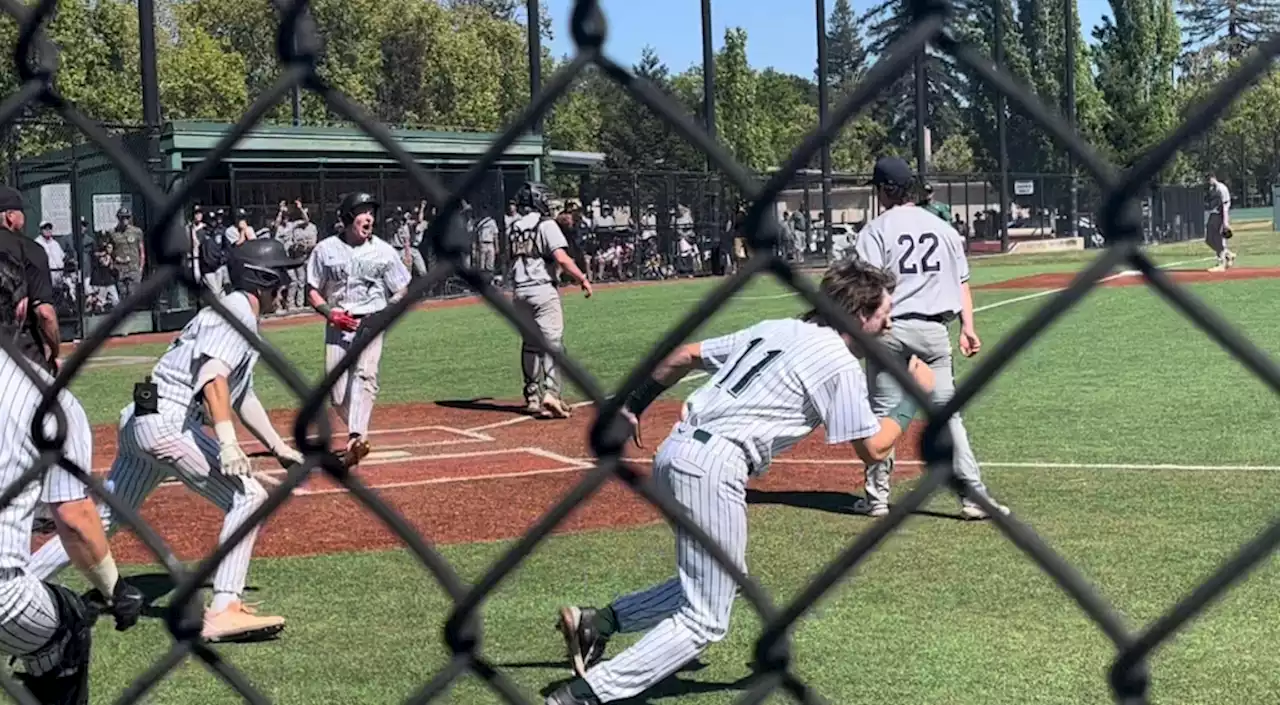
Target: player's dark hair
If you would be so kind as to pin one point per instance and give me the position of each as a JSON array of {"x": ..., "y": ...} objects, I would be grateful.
[
  {"x": 13, "y": 288},
  {"x": 856, "y": 287}
]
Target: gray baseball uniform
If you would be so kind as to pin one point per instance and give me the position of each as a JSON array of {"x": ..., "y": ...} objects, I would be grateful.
[
  {"x": 173, "y": 441},
  {"x": 534, "y": 239},
  {"x": 28, "y": 617},
  {"x": 360, "y": 280},
  {"x": 927, "y": 256},
  {"x": 1219, "y": 220},
  {"x": 772, "y": 384}
]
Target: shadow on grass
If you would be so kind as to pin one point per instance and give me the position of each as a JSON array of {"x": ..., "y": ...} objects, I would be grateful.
[
  {"x": 830, "y": 502},
  {"x": 672, "y": 687}
]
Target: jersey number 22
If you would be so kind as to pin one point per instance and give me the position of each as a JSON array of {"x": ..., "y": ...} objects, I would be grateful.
[
  {"x": 752, "y": 372},
  {"x": 906, "y": 266}
]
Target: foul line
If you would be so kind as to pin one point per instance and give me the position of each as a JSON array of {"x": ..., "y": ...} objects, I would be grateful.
[
  {"x": 1024, "y": 465},
  {"x": 1110, "y": 277}
]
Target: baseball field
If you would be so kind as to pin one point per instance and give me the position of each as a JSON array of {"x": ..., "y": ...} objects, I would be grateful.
[{"x": 1126, "y": 438}]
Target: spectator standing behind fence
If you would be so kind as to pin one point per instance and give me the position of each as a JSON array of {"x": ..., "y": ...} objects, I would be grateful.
[
  {"x": 487, "y": 239},
  {"x": 298, "y": 234},
  {"x": 130, "y": 251},
  {"x": 103, "y": 293},
  {"x": 40, "y": 337},
  {"x": 52, "y": 250},
  {"x": 1217, "y": 229},
  {"x": 196, "y": 231}
]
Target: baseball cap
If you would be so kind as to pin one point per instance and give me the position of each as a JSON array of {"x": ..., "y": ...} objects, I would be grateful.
[
  {"x": 891, "y": 171},
  {"x": 46, "y": 225},
  {"x": 10, "y": 199},
  {"x": 124, "y": 212}
]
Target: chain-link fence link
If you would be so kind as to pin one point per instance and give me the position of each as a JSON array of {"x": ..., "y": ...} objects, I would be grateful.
[{"x": 1121, "y": 220}]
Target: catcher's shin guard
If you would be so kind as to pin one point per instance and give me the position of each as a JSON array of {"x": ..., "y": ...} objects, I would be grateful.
[{"x": 67, "y": 683}]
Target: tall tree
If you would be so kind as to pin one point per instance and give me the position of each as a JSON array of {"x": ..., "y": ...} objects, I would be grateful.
[
  {"x": 888, "y": 21},
  {"x": 1136, "y": 54},
  {"x": 846, "y": 52},
  {"x": 736, "y": 101},
  {"x": 1228, "y": 27}
]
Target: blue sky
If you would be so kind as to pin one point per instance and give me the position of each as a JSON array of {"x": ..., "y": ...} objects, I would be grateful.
[{"x": 782, "y": 38}]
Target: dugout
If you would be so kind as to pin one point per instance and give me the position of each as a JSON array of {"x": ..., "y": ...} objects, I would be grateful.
[{"x": 79, "y": 189}]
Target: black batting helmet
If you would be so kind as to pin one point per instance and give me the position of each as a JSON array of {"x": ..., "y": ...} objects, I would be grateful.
[
  {"x": 533, "y": 196},
  {"x": 354, "y": 202},
  {"x": 259, "y": 265}
]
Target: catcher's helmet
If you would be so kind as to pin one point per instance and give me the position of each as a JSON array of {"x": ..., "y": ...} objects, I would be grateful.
[
  {"x": 259, "y": 265},
  {"x": 533, "y": 196},
  {"x": 354, "y": 202}
]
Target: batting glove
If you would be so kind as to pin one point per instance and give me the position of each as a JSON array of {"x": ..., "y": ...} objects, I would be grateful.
[
  {"x": 343, "y": 320},
  {"x": 233, "y": 459},
  {"x": 288, "y": 456}
]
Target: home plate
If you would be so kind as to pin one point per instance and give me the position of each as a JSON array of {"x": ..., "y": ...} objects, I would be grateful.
[{"x": 388, "y": 454}]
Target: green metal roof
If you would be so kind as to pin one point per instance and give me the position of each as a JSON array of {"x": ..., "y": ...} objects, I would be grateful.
[{"x": 320, "y": 144}]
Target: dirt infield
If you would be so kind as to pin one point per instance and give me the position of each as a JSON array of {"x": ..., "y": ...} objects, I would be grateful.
[
  {"x": 459, "y": 472},
  {"x": 1058, "y": 280}
]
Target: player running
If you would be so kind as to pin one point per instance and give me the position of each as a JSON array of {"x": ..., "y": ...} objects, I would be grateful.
[
  {"x": 46, "y": 627},
  {"x": 205, "y": 375},
  {"x": 771, "y": 385},
  {"x": 926, "y": 255},
  {"x": 349, "y": 277},
  {"x": 537, "y": 244}
]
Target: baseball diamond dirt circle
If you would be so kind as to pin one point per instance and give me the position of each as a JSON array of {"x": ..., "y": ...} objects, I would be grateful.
[{"x": 460, "y": 472}]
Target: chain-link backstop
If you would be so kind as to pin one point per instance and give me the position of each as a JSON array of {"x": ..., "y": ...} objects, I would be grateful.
[{"x": 297, "y": 46}]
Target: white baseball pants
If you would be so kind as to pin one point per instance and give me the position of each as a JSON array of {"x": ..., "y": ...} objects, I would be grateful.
[
  {"x": 28, "y": 621},
  {"x": 356, "y": 390},
  {"x": 151, "y": 448},
  {"x": 707, "y": 475}
]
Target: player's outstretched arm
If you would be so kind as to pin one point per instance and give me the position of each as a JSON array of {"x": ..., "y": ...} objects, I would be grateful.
[
  {"x": 255, "y": 418},
  {"x": 878, "y": 446},
  {"x": 562, "y": 257}
]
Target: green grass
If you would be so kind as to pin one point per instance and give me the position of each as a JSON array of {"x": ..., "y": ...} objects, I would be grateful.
[{"x": 943, "y": 612}]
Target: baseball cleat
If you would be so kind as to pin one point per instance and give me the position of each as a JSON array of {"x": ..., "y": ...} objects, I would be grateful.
[
  {"x": 1218, "y": 268},
  {"x": 562, "y": 696},
  {"x": 971, "y": 511},
  {"x": 556, "y": 407},
  {"x": 357, "y": 449},
  {"x": 239, "y": 622},
  {"x": 862, "y": 506},
  {"x": 584, "y": 641},
  {"x": 1231, "y": 260}
]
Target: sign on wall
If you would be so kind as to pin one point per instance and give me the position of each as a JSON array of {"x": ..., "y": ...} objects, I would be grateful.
[
  {"x": 105, "y": 206},
  {"x": 1024, "y": 188},
  {"x": 55, "y": 207}
]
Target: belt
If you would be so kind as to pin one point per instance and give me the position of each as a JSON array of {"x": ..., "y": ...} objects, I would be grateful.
[
  {"x": 944, "y": 318},
  {"x": 705, "y": 437}
]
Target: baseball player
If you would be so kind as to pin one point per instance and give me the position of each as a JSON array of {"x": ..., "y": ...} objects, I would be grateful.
[
  {"x": 537, "y": 244},
  {"x": 771, "y": 385},
  {"x": 45, "y": 627},
  {"x": 206, "y": 374},
  {"x": 130, "y": 251},
  {"x": 350, "y": 277},
  {"x": 927, "y": 256},
  {"x": 1218, "y": 229}
]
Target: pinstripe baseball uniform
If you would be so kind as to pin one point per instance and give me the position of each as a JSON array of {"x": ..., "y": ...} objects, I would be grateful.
[
  {"x": 173, "y": 441},
  {"x": 927, "y": 256},
  {"x": 772, "y": 385},
  {"x": 534, "y": 239},
  {"x": 28, "y": 617},
  {"x": 361, "y": 281}
]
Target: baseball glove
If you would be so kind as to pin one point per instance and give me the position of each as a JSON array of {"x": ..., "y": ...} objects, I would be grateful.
[{"x": 1227, "y": 233}]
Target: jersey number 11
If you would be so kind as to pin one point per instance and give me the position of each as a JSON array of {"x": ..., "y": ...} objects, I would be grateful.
[{"x": 752, "y": 372}]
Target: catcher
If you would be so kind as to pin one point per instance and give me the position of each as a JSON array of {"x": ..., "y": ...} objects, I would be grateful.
[{"x": 205, "y": 375}]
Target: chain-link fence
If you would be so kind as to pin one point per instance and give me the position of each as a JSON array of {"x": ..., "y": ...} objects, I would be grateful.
[{"x": 1121, "y": 221}]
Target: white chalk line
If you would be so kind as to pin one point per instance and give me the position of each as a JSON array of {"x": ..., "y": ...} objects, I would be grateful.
[
  {"x": 1051, "y": 292},
  {"x": 1026, "y": 465}
]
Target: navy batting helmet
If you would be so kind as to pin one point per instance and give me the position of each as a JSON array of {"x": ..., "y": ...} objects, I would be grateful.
[
  {"x": 353, "y": 203},
  {"x": 533, "y": 196},
  {"x": 259, "y": 265}
]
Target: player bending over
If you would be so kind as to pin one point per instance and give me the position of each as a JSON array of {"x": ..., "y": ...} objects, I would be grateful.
[
  {"x": 205, "y": 375},
  {"x": 46, "y": 627},
  {"x": 771, "y": 385}
]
